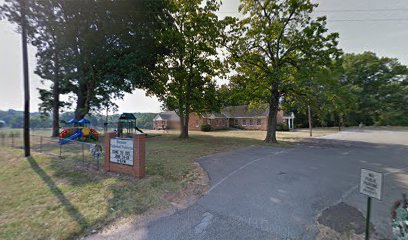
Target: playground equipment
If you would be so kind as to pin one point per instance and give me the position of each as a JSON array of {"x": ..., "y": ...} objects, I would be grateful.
[
  {"x": 78, "y": 130},
  {"x": 127, "y": 125},
  {"x": 124, "y": 148}
]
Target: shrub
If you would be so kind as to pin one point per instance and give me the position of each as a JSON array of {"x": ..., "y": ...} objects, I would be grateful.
[
  {"x": 282, "y": 127},
  {"x": 205, "y": 127}
]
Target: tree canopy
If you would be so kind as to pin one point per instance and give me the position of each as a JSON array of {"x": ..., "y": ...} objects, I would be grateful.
[
  {"x": 379, "y": 85},
  {"x": 96, "y": 50},
  {"x": 108, "y": 47},
  {"x": 277, "y": 48},
  {"x": 359, "y": 88},
  {"x": 14, "y": 119},
  {"x": 185, "y": 76}
]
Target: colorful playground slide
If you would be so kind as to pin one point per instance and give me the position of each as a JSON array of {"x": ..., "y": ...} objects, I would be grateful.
[
  {"x": 73, "y": 137},
  {"x": 78, "y": 131}
]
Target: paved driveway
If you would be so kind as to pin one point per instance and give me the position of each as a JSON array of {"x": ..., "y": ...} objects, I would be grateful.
[{"x": 278, "y": 193}]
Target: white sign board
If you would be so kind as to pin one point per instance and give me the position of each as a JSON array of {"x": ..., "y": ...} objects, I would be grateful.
[
  {"x": 121, "y": 151},
  {"x": 371, "y": 183}
]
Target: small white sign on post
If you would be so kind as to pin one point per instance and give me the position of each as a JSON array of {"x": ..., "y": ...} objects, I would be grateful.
[
  {"x": 371, "y": 183},
  {"x": 121, "y": 151}
]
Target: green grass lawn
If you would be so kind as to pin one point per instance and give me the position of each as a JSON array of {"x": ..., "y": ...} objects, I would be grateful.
[{"x": 45, "y": 197}]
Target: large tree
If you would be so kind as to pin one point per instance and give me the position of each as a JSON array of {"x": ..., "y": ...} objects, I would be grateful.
[
  {"x": 45, "y": 31},
  {"x": 379, "y": 85},
  {"x": 49, "y": 39},
  {"x": 94, "y": 50},
  {"x": 185, "y": 76},
  {"x": 113, "y": 48},
  {"x": 272, "y": 43},
  {"x": 323, "y": 93},
  {"x": 360, "y": 88}
]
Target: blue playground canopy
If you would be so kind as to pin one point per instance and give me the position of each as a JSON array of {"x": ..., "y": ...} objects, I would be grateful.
[
  {"x": 72, "y": 121},
  {"x": 84, "y": 121}
]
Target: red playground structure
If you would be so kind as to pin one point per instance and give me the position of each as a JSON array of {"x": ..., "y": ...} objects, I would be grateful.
[{"x": 78, "y": 130}]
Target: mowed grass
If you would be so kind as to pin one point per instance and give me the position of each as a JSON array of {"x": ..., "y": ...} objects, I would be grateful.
[
  {"x": 44, "y": 197},
  {"x": 254, "y": 135}
]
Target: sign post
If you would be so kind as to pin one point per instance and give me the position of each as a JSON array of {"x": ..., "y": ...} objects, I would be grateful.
[
  {"x": 371, "y": 186},
  {"x": 367, "y": 230}
]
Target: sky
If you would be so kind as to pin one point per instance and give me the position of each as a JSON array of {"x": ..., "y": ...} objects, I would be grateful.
[{"x": 364, "y": 25}]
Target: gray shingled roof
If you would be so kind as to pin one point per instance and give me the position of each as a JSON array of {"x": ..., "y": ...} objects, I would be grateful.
[
  {"x": 245, "y": 111},
  {"x": 214, "y": 115},
  {"x": 169, "y": 115},
  {"x": 242, "y": 111},
  {"x": 127, "y": 116}
]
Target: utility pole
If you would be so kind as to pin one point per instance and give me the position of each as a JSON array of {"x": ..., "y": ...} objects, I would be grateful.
[
  {"x": 56, "y": 98},
  {"x": 105, "y": 125},
  {"x": 107, "y": 113},
  {"x": 26, "y": 79},
  {"x": 310, "y": 119}
]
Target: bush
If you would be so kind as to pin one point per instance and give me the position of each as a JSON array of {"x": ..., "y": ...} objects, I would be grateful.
[
  {"x": 205, "y": 128},
  {"x": 282, "y": 127}
]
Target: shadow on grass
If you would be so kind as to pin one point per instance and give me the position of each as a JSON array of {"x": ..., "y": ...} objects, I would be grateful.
[
  {"x": 71, "y": 209},
  {"x": 167, "y": 162}
]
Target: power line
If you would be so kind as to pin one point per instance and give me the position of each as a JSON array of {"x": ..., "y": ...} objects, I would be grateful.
[
  {"x": 348, "y": 10},
  {"x": 369, "y": 20},
  {"x": 365, "y": 10},
  {"x": 354, "y": 20}
]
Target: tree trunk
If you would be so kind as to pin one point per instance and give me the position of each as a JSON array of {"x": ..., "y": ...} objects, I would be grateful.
[
  {"x": 184, "y": 132},
  {"x": 181, "y": 115},
  {"x": 56, "y": 100},
  {"x": 85, "y": 94},
  {"x": 181, "y": 122},
  {"x": 105, "y": 125},
  {"x": 82, "y": 107},
  {"x": 79, "y": 111},
  {"x": 26, "y": 82},
  {"x": 340, "y": 122},
  {"x": 310, "y": 120},
  {"x": 186, "y": 117},
  {"x": 184, "y": 126},
  {"x": 272, "y": 119}
]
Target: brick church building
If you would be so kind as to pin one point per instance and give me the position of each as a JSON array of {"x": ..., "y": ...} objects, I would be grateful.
[{"x": 241, "y": 117}]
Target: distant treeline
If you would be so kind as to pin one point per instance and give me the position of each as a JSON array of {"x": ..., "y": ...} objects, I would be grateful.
[{"x": 14, "y": 119}]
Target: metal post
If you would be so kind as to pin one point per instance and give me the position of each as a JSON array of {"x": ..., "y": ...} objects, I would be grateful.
[
  {"x": 83, "y": 154},
  {"x": 310, "y": 120},
  {"x": 97, "y": 162},
  {"x": 12, "y": 140},
  {"x": 367, "y": 232},
  {"x": 41, "y": 142}
]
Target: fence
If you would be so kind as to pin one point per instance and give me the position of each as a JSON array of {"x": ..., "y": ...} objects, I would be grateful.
[{"x": 89, "y": 155}]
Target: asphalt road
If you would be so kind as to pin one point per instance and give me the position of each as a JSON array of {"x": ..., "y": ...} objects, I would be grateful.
[{"x": 278, "y": 193}]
